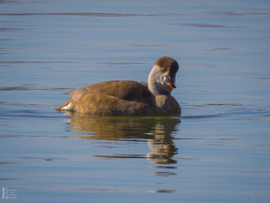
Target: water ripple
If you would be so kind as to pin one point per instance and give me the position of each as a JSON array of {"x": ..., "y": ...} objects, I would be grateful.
[
  {"x": 206, "y": 25},
  {"x": 225, "y": 110},
  {"x": 87, "y": 14},
  {"x": 28, "y": 87}
]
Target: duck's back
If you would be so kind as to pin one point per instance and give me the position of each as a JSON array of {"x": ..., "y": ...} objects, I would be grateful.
[
  {"x": 111, "y": 98},
  {"x": 127, "y": 90}
]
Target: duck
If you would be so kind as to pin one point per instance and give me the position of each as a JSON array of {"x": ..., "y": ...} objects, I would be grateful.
[{"x": 130, "y": 98}]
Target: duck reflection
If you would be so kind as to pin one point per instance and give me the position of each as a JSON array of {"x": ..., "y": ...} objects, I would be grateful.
[{"x": 156, "y": 130}]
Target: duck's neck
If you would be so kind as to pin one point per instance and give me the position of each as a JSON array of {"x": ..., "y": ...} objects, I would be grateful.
[
  {"x": 159, "y": 95},
  {"x": 156, "y": 92},
  {"x": 156, "y": 89}
]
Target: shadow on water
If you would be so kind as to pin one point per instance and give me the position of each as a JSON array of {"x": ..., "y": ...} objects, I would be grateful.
[{"x": 158, "y": 132}]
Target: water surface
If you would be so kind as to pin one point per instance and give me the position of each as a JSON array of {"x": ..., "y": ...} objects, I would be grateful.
[{"x": 217, "y": 151}]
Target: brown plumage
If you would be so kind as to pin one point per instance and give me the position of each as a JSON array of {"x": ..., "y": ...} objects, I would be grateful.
[{"x": 129, "y": 98}]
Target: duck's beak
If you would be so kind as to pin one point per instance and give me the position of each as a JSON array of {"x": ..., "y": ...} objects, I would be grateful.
[{"x": 168, "y": 80}]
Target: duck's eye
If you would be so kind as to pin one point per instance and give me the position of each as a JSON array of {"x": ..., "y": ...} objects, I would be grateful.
[{"x": 163, "y": 68}]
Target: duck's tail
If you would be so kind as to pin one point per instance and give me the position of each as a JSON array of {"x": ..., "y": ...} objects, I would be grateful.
[{"x": 68, "y": 106}]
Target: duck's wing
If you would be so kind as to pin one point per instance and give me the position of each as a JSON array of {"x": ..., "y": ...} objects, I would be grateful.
[
  {"x": 126, "y": 90},
  {"x": 77, "y": 94}
]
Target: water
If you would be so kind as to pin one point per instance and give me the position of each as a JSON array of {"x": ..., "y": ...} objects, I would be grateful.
[{"x": 218, "y": 151}]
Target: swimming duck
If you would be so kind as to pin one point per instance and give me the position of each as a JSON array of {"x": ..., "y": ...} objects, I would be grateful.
[{"x": 130, "y": 98}]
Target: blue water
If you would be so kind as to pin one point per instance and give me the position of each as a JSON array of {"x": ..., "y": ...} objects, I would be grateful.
[{"x": 217, "y": 151}]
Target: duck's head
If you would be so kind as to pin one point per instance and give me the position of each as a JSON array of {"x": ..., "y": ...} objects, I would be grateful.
[{"x": 162, "y": 77}]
